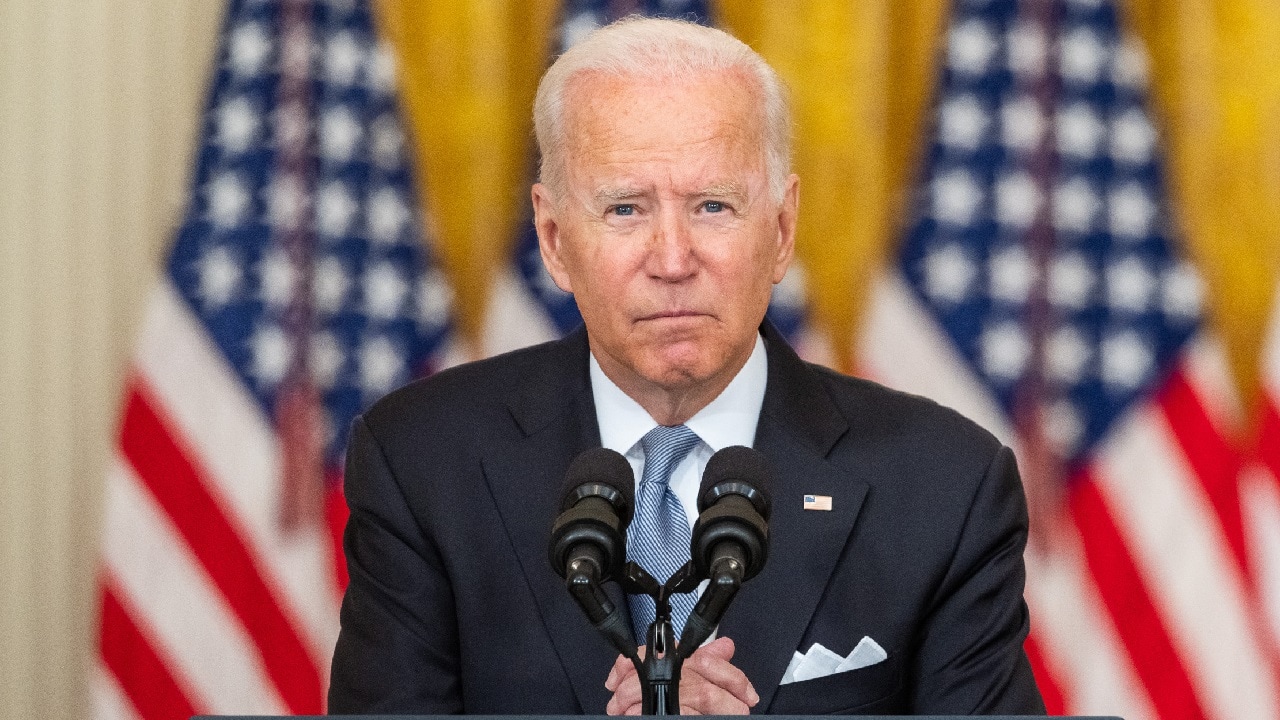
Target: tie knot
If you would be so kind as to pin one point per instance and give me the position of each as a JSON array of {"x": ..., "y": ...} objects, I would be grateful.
[{"x": 664, "y": 447}]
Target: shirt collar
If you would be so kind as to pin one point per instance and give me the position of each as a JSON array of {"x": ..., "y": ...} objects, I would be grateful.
[{"x": 729, "y": 419}]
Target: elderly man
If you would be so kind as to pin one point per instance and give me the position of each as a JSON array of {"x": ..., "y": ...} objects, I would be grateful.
[{"x": 668, "y": 209}]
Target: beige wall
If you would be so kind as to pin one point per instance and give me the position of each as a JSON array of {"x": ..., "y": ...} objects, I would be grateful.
[{"x": 99, "y": 105}]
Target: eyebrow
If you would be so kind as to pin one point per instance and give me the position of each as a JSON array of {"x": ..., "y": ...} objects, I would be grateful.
[{"x": 617, "y": 194}]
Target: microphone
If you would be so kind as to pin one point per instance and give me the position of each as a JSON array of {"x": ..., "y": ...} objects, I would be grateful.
[
  {"x": 733, "y": 514},
  {"x": 588, "y": 538},
  {"x": 731, "y": 538}
]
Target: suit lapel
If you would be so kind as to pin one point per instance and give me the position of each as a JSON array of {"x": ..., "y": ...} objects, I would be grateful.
[
  {"x": 799, "y": 425},
  {"x": 557, "y": 420}
]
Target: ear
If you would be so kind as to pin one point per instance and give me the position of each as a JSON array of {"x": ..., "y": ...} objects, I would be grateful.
[
  {"x": 788, "y": 211},
  {"x": 546, "y": 221}
]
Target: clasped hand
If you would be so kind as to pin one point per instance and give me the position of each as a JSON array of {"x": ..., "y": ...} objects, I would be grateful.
[{"x": 709, "y": 684}]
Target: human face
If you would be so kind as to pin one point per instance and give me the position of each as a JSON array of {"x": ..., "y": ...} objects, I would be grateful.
[{"x": 665, "y": 230}]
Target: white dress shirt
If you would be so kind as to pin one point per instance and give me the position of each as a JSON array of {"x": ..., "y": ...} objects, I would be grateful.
[{"x": 728, "y": 420}]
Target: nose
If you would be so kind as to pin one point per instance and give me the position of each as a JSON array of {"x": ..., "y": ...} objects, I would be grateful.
[{"x": 671, "y": 255}]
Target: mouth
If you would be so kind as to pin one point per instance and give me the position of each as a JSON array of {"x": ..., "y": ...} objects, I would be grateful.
[{"x": 672, "y": 314}]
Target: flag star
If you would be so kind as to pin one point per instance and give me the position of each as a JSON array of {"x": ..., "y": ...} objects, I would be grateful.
[
  {"x": 237, "y": 125},
  {"x": 1080, "y": 132},
  {"x": 334, "y": 209},
  {"x": 385, "y": 291},
  {"x": 970, "y": 47},
  {"x": 292, "y": 125},
  {"x": 1087, "y": 4},
  {"x": 326, "y": 359},
  {"x": 341, "y": 7},
  {"x": 963, "y": 122},
  {"x": 388, "y": 214},
  {"x": 343, "y": 57},
  {"x": 278, "y": 277},
  {"x": 1005, "y": 351},
  {"x": 381, "y": 365},
  {"x": 1130, "y": 285},
  {"x": 1071, "y": 280},
  {"x": 1126, "y": 360},
  {"x": 228, "y": 199},
  {"x": 295, "y": 56},
  {"x": 248, "y": 49},
  {"x": 578, "y": 27},
  {"x": 1018, "y": 200},
  {"x": 381, "y": 69},
  {"x": 1130, "y": 65},
  {"x": 1075, "y": 204},
  {"x": 387, "y": 142},
  {"x": 1028, "y": 50},
  {"x": 1064, "y": 426},
  {"x": 330, "y": 285},
  {"x": 1131, "y": 211},
  {"x": 1012, "y": 275},
  {"x": 287, "y": 200},
  {"x": 1067, "y": 354},
  {"x": 219, "y": 277},
  {"x": 272, "y": 354},
  {"x": 949, "y": 273},
  {"x": 956, "y": 197},
  {"x": 1083, "y": 56},
  {"x": 339, "y": 134},
  {"x": 435, "y": 298},
  {"x": 1022, "y": 124},
  {"x": 1133, "y": 139},
  {"x": 1182, "y": 292}
]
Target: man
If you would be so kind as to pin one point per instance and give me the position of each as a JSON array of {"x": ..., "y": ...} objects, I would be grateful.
[{"x": 667, "y": 207}]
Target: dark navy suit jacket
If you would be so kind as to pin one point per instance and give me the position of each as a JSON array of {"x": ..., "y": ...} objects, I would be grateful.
[{"x": 453, "y": 607}]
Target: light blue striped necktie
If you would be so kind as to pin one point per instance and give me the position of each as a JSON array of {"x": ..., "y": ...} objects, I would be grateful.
[{"x": 658, "y": 539}]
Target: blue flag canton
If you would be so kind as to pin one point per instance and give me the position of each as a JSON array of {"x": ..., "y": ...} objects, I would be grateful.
[
  {"x": 1041, "y": 239},
  {"x": 378, "y": 306},
  {"x": 581, "y": 18}
]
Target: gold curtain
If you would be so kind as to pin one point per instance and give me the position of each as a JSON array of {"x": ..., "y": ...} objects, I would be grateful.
[
  {"x": 862, "y": 76},
  {"x": 468, "y": 73},
  {"x": 1216, "y": 89}
]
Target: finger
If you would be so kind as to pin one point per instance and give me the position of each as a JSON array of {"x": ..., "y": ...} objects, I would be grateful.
[
  {"x": 711, "y": 665},
  {"x": 620, "y": 668},
  {"x": 698, "y": 696},
  {"x": 626, "y": 694},
  {"x": 721, "y": 647}
]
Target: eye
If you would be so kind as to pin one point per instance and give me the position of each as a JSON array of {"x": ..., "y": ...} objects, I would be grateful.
[
  {"x": 623, "y": 210},
  {"x": 713, "y": 206}
]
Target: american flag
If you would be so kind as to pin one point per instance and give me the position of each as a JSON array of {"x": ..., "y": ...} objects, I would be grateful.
[
  {"x": 530, "y": 308},
  {"x": 1041, "y": 289},
  {"x": 1260, "y": 483},
  {"x": 298, "y": 290}
]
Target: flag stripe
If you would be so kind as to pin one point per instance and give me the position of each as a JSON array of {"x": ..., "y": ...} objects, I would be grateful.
[
  {"x": 214, "y": 414},
  {"x": 217, "y": 661},
  {"x": 107, "y": 699},
  {"x": 1168, "y": 525},
  {"x": 1214, "y": 463},
  {"x": 1269, "y": 436},
  {"x": 135, "y": 665},
  {"x": 1045, "y": 680},
  {"x": 179, "y": 488},
  {"x": 1095, "y": 677},
  {"x": 1127, "y": 600}
]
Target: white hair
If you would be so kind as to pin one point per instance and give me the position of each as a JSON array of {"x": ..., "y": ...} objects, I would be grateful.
[{"x": 660, "y": 48}]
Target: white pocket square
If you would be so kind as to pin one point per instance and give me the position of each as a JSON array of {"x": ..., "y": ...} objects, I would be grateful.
[{"x": 820, "y": 662}]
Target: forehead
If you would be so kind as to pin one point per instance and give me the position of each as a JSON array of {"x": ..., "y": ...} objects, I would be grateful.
[{"x": 706, "y": 116}]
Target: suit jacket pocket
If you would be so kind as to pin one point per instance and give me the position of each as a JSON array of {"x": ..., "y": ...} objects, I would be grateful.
[{"x": 872, "y": 688}]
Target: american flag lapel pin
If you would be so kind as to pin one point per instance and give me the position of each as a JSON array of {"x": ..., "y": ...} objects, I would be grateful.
[{"x": 817, "y": 502}]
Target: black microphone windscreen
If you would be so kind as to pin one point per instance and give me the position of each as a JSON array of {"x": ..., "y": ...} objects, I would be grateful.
[
  {"x": 605, "y": 467},
  {"x": 739, "y": 464}
]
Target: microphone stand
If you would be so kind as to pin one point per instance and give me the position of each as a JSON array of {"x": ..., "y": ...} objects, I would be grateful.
[{"x": 659, "y": 670}]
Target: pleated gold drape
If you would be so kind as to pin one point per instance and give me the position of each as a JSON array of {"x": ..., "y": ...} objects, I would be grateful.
[{"x": 861, "y": 74}]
